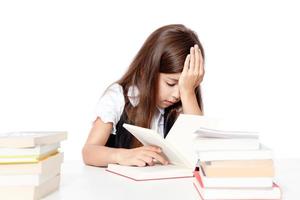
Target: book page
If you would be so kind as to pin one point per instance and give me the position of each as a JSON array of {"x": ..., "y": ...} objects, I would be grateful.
[
  {"x": 182, "y": 134},
  {"x": 150, "y": 137},
  {"x": 214, "y": 133}
]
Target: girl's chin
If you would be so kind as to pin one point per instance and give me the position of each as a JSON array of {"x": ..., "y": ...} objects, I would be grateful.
[{"x": 164, "y": 104}]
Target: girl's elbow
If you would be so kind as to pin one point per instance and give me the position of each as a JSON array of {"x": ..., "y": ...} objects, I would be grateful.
[{"x": 85, "y": 155}]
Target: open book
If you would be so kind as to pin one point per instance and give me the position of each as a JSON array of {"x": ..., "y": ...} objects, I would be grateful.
[{"x": 178, "y": 147}]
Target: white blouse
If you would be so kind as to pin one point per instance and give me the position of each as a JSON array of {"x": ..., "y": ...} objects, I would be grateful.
[{"x": 111, "y": 105}]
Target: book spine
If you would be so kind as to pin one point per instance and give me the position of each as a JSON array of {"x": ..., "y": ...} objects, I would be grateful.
[{"x": 198, "y": 178}]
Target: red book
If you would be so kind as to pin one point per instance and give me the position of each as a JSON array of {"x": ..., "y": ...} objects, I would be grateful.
[
  {"x": 214, "y": 193},
  {"x": 147, "y": 173}
]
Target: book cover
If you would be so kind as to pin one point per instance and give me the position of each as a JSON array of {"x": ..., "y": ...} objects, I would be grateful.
[
  {"x": 44, "y": 166},
  {"x": 31, "y": 139},
  {"x": 30, "y": 192},
  {"x": 238, "y": 168},
  {"x": 148, "y": 173},
  {"x": 263, "y": 153},
  {"x": 232, "y": 182},
  {"x": 273, "y": 193},
  {"x": 28, "y": 179},
  {"x": 26, "y": 159},
  {"x": 29, "y": 151}
]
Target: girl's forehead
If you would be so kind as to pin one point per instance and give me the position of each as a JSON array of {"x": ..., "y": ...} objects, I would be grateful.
[{"x": 174, "y": 76}]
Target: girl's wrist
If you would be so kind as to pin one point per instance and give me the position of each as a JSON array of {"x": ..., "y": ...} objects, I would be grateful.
[
  {"x": 116, "y": 157},
  {"x": 190, "y": 104},
  {"x": 187, "y": 94}
]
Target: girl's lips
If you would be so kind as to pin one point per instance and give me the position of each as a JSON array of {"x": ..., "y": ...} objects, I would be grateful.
[{"x": 169, "y": 102}]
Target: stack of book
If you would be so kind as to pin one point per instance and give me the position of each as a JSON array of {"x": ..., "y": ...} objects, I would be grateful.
[
  {"x": 29, "y": 164},
  {"x": 233, "y": 165}
]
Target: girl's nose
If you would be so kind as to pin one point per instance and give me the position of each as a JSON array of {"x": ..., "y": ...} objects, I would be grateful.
[{"x": 176, "y": 94}]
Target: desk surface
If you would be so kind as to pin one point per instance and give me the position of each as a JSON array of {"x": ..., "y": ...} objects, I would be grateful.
[{"x": 85, "y": 182}]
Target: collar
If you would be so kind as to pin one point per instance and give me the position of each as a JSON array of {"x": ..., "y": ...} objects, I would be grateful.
[{"x": 161, "y": 110}]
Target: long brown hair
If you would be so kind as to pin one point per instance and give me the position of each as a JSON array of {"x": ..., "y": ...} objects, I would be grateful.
[{"x": 164, "y": 51}]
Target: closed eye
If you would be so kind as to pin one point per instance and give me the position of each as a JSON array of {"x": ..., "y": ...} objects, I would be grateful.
[{"x": 171, "y": 84}]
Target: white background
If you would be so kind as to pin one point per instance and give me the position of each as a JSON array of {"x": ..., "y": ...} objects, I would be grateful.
[{"x": 57, "y": 57}]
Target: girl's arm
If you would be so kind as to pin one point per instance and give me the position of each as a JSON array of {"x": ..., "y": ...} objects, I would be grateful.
[
  {"x": 96, "y": 153},
  {"x": 190, "y": 104},
  {"x": 191, "y": 77}
]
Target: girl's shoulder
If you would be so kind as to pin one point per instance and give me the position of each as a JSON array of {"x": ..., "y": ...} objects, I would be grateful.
[
  {"x": 111, "y": 104},
  {"x": 115, "y": 90},
  {"x": 112, "y": 98}
]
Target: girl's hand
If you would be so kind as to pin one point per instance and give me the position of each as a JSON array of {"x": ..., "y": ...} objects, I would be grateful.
[
  {"x": 193, "y": 72},
  {"x": 141, "y": 156}
]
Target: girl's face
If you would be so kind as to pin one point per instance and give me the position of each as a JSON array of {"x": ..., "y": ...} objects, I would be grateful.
[{"x": 168, "y": 90}]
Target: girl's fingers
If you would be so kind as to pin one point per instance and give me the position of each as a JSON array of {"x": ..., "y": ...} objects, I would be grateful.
[
  {"x": 153, "y": 152},
  {"x": 192, "y": 73},
  {"x": 147, "y": 159},
  {"x": 157, "y": 157},
  {"x": 192, "y": 59},
  {"x": 140, "y": 163},
  {"x": 186, "y": 64},
  {"x": 152, "y": 148},
  {"x": 201, "y": 68},
  {"x": 197, "y": 59}
]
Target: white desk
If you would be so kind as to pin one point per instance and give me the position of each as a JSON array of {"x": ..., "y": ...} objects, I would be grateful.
[{"x": 84, "y": 182}]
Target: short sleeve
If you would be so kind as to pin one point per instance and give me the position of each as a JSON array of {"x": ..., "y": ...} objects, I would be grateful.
[{"x": 110, "y": 106}]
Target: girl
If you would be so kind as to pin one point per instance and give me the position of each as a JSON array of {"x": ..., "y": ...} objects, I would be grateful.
[{"x": 162, "y": 81}]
